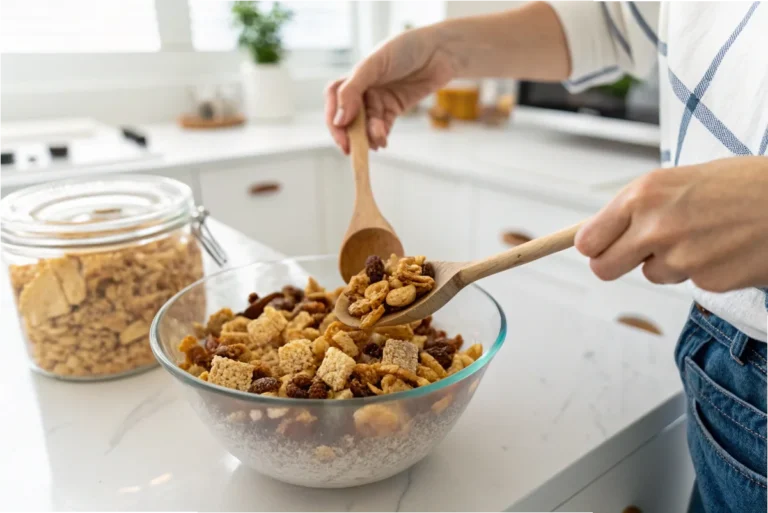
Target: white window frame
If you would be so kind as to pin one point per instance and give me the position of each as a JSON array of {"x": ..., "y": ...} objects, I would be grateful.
[{"x": 176, "y": 62}]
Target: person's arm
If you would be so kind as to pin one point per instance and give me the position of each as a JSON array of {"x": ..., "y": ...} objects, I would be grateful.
[
  {"x": 707, "y": 222},
  {"x": 582, "y": 43},
  {"x": 527, "y": 43}
]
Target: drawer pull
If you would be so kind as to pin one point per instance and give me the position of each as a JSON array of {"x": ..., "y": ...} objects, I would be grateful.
[
  {"x": 261, "y": 189},
  {"x": 639, "y": 323},
  {"x": 632, "y": 509},
  {"x": 515, "y": 238}
]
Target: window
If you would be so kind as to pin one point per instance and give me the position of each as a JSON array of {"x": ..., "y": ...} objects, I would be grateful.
[
  {"x": 315, "y": 25},
  {"x": 79, "y": 26}
]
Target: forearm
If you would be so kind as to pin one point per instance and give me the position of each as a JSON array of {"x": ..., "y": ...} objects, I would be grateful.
[{"x": 523, "y": 43}]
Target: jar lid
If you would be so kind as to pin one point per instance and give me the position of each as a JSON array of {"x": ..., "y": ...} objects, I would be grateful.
[{"x": 94, "y": 211}]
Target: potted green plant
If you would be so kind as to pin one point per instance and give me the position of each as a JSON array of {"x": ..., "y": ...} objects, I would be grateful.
[{"x": 267, "y": 84}]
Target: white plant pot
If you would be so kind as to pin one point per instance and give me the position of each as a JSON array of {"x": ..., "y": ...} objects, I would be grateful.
[{"x": 267, "y": 91}]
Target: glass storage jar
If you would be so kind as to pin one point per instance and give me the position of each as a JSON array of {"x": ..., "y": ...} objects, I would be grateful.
[{"x": 90, "y": 263}]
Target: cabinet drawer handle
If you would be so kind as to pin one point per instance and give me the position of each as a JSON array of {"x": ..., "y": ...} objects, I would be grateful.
[
  {"x": 638, "y": 323},
  {"x": 515, "y": 238},
  {"x": 263, "y": 188}
]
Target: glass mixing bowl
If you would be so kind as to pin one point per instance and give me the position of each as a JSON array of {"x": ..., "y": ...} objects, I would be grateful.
[{"x": 347, "y": 442}]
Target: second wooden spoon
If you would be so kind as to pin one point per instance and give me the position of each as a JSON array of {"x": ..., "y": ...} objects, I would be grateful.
[
  {"x": 368, "y": 233},
  {"x": 451, "y": 277}
]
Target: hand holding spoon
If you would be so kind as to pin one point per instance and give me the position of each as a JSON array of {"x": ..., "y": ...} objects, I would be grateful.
[
  {"x": 368, "y": 233},
  {"x": 451, "y": 277}
]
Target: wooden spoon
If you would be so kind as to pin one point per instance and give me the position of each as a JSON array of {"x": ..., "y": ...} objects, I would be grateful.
[
  {"x": 451, "y": 277},
  {"x": 368, "y": 233}
]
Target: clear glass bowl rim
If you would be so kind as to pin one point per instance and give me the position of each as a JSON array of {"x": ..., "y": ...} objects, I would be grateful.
[{"x": 187, "y": 378}]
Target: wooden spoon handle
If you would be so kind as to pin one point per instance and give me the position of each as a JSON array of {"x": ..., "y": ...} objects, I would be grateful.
[
  {"x": 519, "y": 255},
  {"x": 358, "y": 146}
]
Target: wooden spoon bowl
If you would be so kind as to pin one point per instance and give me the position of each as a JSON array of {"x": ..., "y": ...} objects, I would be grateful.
[{"x": 451, "y": 277}]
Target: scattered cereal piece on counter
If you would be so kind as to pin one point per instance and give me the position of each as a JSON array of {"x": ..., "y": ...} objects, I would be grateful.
[
  {"x": 335, "y": 369},
  {"x": 218, "y": 319},
  {"x": 296, "y": 356},
  {"x": 401, "y": 353},
  {"x": 230, "y": 373}
]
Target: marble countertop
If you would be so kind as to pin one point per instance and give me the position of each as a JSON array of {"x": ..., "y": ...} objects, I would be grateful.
[
  {"x": 559, "y": 405},
  {"x": 525, "y": 155}
]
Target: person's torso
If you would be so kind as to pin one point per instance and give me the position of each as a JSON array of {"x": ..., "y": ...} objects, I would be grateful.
[{"x": 713, "y": 71}]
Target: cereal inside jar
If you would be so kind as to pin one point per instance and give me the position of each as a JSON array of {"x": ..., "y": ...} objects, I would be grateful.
[{"x": 91, "y": 262}]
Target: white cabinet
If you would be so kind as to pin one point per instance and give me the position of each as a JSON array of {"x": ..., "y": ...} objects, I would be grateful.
[
  {"x": 430, "y": 213},
  {"x": 566, "y": 278},
  {"x": 338, "y": 196},
  {"x": 274, "y": 201},
  {"x": 656, "y": 477},
  {"x": 185, "y": 175}
]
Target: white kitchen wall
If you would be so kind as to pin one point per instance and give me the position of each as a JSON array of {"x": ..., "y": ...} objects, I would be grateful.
[{"x": 469, "y": 8}]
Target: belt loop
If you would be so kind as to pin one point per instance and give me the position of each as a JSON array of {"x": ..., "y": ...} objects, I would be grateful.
[{"x": 739, "y": 346}]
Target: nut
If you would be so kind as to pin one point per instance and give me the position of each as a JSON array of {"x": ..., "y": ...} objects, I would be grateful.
[
  {"x": 262, "y": 385},
  {"x": 401, "y": 297}
]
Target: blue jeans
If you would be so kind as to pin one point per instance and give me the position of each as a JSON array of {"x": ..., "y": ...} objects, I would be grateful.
[{"x": 724, "y": 377}]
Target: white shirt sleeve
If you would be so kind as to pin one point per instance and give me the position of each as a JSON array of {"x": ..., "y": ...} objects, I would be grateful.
[{"x": 608, "y": 39}]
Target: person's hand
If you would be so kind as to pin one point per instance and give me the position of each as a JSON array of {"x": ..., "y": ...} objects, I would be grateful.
[
  {"x": 394, "y": 78},
  {"x": 706, "y": 222}
]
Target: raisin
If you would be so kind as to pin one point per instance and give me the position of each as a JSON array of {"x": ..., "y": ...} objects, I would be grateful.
[
  {"x": 211, "y": 343},
  {"x": 262, "y": 385},
  {"x": 317, "y": 320},
  {"x": 373, "y": 350},
  {"x": 443, "y": 354},
  {"x": 199, "y": 356},
  {"x": 296, "y": 392},
  {"x": 252, "y": 297},
  {"x": 261, "y": 370},
  {"x": 374, "y": 268},
  {"x": 283, "y": 303},
  {"x": 424, "y": 327},
  {"x": 291, "y": 292},
  {"x": 318, "y": 390},
  {"x": 302, "y": 381},
  {"x": 233, "y": 352},
  {"x": 359, "y": 389},
  {"x": 313, "y": 307},
  {"x": 255, "y": 309},
  {"x": 428, "y": 269}
]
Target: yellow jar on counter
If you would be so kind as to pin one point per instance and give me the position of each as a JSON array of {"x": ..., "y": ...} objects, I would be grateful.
[
  {"x": 461, "y": 99},
  {"x": 91, "y": 262}
]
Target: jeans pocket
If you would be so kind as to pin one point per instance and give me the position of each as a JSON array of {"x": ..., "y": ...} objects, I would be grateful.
[{"x": 734, "y": 429}]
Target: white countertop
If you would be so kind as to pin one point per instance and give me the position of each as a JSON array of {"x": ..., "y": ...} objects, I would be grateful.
[
  {"x": 560, "y": 403},
  {"x": 524, "y": 155}
]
